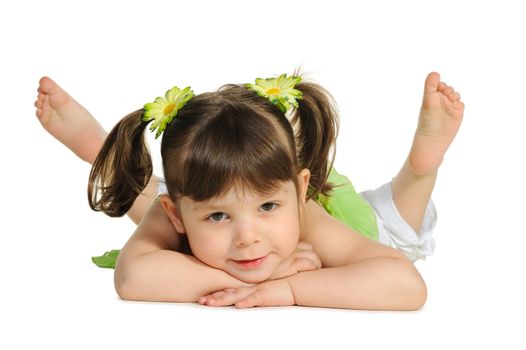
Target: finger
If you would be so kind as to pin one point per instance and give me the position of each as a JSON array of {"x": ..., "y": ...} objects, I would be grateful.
[
  {"x": 304, "y": 246},
  {"x": 304, "y": 264},
  {"x": 218, "y": 293},
  {"x": 252, "y": 300},
  {"x": 311, "y": 255},
  {"x": 230, "y": 298},
  {"x": 316, "y": 259},
  {"x": 303, "y": 253},
  {"x": 214, "y": 294},
  {"x": 206, "y": 298}
]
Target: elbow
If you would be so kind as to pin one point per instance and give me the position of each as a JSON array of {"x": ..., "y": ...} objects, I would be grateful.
[
  {"x": 124, "y": 285},
  {"x": 127, "y": 290},
  {"x": 122, "y": 290}
]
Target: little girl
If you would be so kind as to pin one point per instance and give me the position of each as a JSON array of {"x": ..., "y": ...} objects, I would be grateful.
[{"x": 251, "y": 211}]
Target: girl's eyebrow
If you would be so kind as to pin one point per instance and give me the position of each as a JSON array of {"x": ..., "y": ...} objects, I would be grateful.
[{"x": 204, "y": 206}]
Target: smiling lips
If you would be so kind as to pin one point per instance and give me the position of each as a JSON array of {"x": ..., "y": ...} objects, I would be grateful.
[{"x": 250, "y": 263}]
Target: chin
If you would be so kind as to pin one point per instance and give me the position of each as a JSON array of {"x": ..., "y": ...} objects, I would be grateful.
[{"x": 254, "y": 279}]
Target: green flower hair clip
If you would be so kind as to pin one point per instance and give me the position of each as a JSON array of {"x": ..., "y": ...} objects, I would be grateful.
[
  {"x": 163, "y": 110},
  {"x": 279, "y": 91}
]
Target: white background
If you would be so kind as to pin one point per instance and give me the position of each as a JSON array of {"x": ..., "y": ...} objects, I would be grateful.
[{"x": 374, "y": 57}]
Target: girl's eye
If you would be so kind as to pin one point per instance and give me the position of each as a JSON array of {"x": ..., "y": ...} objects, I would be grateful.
[
  {"x": 268, "y": 206},
  {"x": 216, "y": 217}
]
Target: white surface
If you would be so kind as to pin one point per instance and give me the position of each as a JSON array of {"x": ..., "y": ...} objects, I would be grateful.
[{"x": 373, "y": 58}]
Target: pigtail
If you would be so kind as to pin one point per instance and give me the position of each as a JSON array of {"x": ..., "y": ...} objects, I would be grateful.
[
  {"x": 122, "y": 168},
  {"x": 316, "y": 125}
]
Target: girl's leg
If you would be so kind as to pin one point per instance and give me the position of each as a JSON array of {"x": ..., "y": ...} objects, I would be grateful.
[
  {"x": 72, "y": 125},
  {"x": 440, "y": 117}
]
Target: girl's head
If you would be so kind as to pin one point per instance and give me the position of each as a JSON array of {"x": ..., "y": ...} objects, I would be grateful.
[{"x": 237, "y": 170}]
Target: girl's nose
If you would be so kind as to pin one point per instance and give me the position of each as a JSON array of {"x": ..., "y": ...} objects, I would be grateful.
[{"x": 246, "y": 235}]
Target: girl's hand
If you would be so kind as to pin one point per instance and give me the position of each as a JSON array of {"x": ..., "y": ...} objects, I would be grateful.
[
  {"x": 268, "y": 293},
  {"x": 303, "y": 259}
]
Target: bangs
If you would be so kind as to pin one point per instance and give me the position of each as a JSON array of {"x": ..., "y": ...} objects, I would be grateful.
[{"x": 236, "y": 149}]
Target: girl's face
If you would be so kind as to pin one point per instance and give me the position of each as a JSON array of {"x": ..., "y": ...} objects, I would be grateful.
[{"x": 244, "y": 234}]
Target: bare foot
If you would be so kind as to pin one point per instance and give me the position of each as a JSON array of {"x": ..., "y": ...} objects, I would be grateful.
[
  {"x": 440, "y": 117},
  {"x": 67, "y": 121}
]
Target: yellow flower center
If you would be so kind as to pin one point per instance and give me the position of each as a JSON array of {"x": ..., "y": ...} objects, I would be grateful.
[
  {"x": 273, "y": 91},
  {"x": 168, "y": 109}
]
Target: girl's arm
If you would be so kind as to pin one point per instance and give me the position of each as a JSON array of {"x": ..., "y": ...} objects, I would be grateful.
[
  {"x": 150, "y": 268},
  {"x": 358, "y": 273},
  {"x": 378, "y": 283}
]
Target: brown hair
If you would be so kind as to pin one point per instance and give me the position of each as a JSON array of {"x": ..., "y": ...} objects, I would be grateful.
[{"x": 220, "y": 139}]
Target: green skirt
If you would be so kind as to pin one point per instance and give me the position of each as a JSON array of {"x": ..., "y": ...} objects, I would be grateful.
[{"x": 346, "y": 205}]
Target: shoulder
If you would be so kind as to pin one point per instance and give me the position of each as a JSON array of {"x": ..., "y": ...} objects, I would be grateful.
[
  {"x": 336, "y": 243},
  {"x": 154, "y": 232}
]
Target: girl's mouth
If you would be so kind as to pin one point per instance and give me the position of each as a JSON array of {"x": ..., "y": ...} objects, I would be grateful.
[{"x": 250, "y": 264}]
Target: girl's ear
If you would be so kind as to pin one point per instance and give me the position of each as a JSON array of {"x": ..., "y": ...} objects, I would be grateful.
[
  {"x": 303, "y": 180},
  {"x": 171, "y": 210}
]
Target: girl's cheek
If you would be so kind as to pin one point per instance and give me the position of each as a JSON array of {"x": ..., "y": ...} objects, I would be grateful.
[{"x": 206, "y": 248}]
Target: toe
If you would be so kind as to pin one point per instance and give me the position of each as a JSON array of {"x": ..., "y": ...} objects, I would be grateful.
[
  {"x": 48, "y": 86},
  {"x": 458, "y": 105},
  {"x": 44, "y": 85},
  {"x": 432, "y": 82}
]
